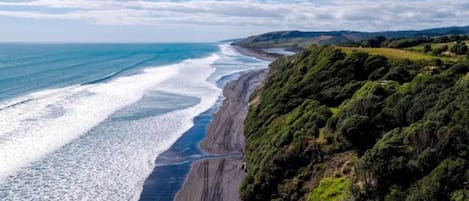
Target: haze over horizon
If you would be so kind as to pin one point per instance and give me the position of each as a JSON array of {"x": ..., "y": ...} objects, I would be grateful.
[{"x": 211, "y": 20}]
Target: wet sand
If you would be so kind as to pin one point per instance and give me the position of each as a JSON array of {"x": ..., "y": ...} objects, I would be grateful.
[
  {"x": 219, "y": 178},
  {"x": 257, "y": 53}
]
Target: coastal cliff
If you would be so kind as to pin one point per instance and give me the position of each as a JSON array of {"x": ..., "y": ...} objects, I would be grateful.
[
  {"x": 343, "y": 123},
  {"x": 334, "y": 123}
]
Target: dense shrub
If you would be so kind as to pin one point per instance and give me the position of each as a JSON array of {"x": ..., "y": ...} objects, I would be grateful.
[
  {"x": 407, "y": 123},
  {"x": 460, "y": 48}
]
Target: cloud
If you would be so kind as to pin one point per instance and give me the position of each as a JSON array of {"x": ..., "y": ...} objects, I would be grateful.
[{"x": 366, "y": 15}]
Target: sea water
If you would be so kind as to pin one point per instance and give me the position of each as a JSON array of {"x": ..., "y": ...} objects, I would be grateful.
[{"x": 87, "y": 121}]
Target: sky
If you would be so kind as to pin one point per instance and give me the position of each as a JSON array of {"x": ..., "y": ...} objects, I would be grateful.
[{"x": 213, "y": 20}]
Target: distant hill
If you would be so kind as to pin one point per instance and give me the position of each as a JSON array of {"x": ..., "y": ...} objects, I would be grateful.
[{"x": 299, "y": 39}]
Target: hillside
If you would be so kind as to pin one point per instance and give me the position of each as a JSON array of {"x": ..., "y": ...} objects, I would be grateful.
[
  {"x": 298, "y": 39},
  {"x": 335, "y": 124}
]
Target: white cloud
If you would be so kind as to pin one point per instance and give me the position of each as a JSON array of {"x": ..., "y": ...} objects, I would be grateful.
[{"x": 365, "y": 15}]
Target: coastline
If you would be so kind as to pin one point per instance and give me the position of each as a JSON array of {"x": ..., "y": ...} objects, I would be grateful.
[
  {"x": 219, "y": 178},
  {"x": 225, "y": 133},
  {"x": 257, "y": 53},
  {"x": 174, "y": 166}
]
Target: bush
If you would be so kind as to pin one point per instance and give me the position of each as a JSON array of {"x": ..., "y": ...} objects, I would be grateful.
[
  {"x": 434, "y": 187},
  {"x": 460, "y": 48},
  {"x": 427, "y": 48},
  {"x": 406, "y": 121}
]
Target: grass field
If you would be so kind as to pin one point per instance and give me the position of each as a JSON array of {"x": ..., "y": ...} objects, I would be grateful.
[
  {"x": 332, "y": 189},
  {"x": 419, "y": 48},
  {"x": 395, "y": 53}
]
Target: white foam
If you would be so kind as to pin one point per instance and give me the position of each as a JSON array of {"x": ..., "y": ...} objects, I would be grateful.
[
  {"x": 55, "y": 117},
  {"x": 228, "y": 50},
  {"x": 112, "y": 161},
  {"x": 231, "y": 61}
]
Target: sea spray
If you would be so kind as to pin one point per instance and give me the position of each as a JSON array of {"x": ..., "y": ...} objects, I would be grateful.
[{"x": 111, "y": 160}]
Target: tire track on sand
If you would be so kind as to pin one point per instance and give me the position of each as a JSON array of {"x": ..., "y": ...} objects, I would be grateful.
[
  {"x": 217, "y": 193},
  {"x": 205, "y": 188}
]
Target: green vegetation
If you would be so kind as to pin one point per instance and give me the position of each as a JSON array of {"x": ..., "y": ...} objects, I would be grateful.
[
  {"x": 296, "y": 40},
  {"x": 344, "y": 124},
  {"x": 332, "y": 189},
  {"x": 460, "y": 48},
  {"x": 447, "y": 47},
  {"x": 420, "y": 42},
  {"x": 434, "y": 46},
  {"x": 394, "y": 53}
]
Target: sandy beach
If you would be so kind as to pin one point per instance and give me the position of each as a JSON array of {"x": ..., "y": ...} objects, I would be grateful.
[
  {"x": 257, "y": 53},
  {"x": 219, "y": 178}
]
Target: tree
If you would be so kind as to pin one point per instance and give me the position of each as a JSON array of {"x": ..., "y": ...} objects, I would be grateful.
[
  {"x": 460, "y": 48},
  {"x": 374, "y": 42},
  {"x": 442, "y": 39},
  {"x": 427, "y": 48},
  {"x": 444, "y": 48},
  {"x": 381, "y": 39},
  {"x": 438, "y": 51}
]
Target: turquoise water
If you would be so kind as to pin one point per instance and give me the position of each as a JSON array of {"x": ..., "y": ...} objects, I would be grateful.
[
  {"x": 86, "y": 122},
  {"x": 31, "y": 67}
]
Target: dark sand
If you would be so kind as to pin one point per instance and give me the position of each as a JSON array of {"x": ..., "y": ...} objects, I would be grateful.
[
  {"x": 173, "y": 165},
  {"x": 225, "y": 132},
  {"x": 219, "y": 178},
  {"x": 257, "y": 53}
]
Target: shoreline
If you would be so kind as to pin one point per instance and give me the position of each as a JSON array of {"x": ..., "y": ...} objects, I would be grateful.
[
  {"x": 174, "y": 167},
  {"x": 220, "y": 178},
  {"x": 259, "y": 54}
]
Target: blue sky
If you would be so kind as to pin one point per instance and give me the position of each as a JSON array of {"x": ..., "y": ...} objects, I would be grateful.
[{"x": 213, "y": 20}]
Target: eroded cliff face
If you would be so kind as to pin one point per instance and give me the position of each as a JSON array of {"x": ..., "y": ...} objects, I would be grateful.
[{"x": 327, "y": 125}]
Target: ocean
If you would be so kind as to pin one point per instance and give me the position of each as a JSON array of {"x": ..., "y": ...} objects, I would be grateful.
[{"x": 87, "y": 121}]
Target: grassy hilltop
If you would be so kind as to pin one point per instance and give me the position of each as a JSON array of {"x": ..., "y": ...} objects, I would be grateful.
[
  {"x": 351, "y": 122},
  {"x": 296, "y": 40}
]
